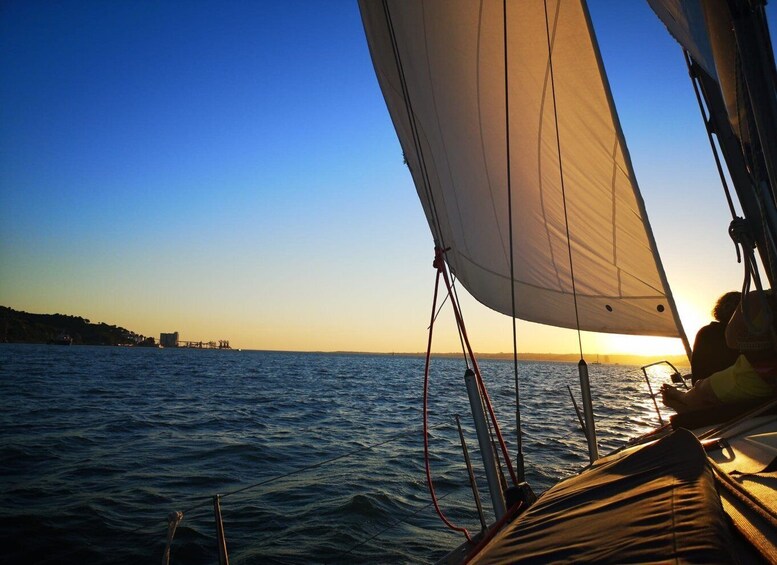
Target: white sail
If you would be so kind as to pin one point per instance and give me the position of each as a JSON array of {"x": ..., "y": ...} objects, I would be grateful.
[{"x": 441, "y": 66}]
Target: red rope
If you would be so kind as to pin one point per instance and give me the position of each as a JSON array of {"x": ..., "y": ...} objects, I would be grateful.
[
  {"x": 438, "y": 262},
  {"x": 426, "y": 420}
]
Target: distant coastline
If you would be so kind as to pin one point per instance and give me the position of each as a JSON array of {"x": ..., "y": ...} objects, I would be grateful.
[
  {"x": 23, "y": 327},
  {"x": 609, "y": 358}
]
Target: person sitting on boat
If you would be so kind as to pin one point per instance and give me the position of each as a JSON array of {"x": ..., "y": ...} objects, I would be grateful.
[
  {"x": 711, "y": 353},
  {"x": 752, "y": 377}
]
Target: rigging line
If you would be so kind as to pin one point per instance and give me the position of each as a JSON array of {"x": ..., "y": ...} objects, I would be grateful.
[
  {"x": 518, "y": 431},
  {"x": 476, "y": 369},
  {"x": 753, "y": 163},
  {"x": 745, "y": 115},
  {"x": 706, "y": 118},
  {"x": 413, "y": 126},
  {"x": 715, "y": 153},
  {"x": 209, "y": 500},
  {"x": 427, "y": 464},
  {"x": 333, "y": 459},
  {"x": 442, "y": 304},
  {"x": 754, "y": 504},
  {"x": 289, "y": 532},
  {"x": 439, "y": 310},
  {"x": 461, "y": 337},
  {"x": 394, "y": 524},
  {"x": 561, "y": 174}
]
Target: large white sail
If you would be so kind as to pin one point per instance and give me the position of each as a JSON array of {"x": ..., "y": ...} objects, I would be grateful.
[{"x": 441, "y": 66}]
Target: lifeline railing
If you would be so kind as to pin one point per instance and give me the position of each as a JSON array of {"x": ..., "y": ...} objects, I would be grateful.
[
  {"x": 675, "y": 376},
  {"x": 175, "y": 518}
]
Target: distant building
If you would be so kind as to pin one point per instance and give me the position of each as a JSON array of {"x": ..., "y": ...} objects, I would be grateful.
[{"x": 168, "y": 340}]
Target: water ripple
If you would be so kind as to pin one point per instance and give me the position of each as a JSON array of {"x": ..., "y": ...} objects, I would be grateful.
[{"x": 99, "y": 444}]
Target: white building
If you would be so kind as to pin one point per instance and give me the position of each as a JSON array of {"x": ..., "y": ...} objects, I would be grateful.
[{"x": 168, "y": 340}]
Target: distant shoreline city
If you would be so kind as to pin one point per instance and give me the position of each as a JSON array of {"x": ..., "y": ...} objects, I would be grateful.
[
  {"x": 23, "y": 327},
  {"x": 62, "y": 329}
]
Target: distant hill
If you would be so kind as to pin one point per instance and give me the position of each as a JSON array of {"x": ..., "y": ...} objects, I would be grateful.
[{"x": 23, "y": 327}]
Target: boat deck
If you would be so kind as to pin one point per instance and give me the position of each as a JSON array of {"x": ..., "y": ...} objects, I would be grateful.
[
  {"x": 745, "y": 458},
  {"x": 741, "y": 456}
]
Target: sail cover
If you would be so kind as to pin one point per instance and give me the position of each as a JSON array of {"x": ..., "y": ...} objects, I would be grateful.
[{"x": 441, "y": 67}]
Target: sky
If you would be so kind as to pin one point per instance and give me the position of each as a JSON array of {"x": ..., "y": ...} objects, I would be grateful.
[{"x": 228, "y": 170}]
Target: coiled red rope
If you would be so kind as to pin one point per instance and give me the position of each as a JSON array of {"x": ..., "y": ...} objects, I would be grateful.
[
  {"x": 426, "y": 420},
  {"x": 441, "y": 272},
  {"x": 440, "y": 265}
]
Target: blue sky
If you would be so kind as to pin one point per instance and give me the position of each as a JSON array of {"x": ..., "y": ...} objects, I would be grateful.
[{"x": 229, "y": 170}]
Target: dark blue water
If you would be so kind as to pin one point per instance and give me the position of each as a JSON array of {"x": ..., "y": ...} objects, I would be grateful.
[{"x": 98, "y": 445}]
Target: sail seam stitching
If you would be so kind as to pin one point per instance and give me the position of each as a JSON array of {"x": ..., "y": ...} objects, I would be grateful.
[
  {"x": 540, "y": 182},
  {"x": 561, "y": 173},
  {"x": 413, "y": 125},
  {"x": 659, "y": 296}
]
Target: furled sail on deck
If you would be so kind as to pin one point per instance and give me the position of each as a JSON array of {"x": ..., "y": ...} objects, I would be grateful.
[{"x": 441, "y": 66}]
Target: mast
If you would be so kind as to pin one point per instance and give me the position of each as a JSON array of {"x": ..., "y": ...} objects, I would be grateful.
[
  {"x": 732, "y": 62},
  {"x": 758, "y": 73}
]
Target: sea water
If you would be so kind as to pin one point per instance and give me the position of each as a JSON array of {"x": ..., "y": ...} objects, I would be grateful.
[{"x": 99, "y": 444}]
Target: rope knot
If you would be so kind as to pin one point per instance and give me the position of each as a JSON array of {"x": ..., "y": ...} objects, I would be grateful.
[
  {"x": 740, "y": 232},
  {"x": 439, "y": 255}
]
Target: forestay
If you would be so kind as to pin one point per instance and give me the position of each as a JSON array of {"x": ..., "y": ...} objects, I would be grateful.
[{"x": 441, "y": 66}]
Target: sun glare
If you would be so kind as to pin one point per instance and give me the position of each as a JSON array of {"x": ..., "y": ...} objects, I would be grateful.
[{"x": 641, "y": 345}]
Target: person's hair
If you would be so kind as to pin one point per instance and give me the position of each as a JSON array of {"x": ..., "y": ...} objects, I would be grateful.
[{"x": 725, "y": 306}]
